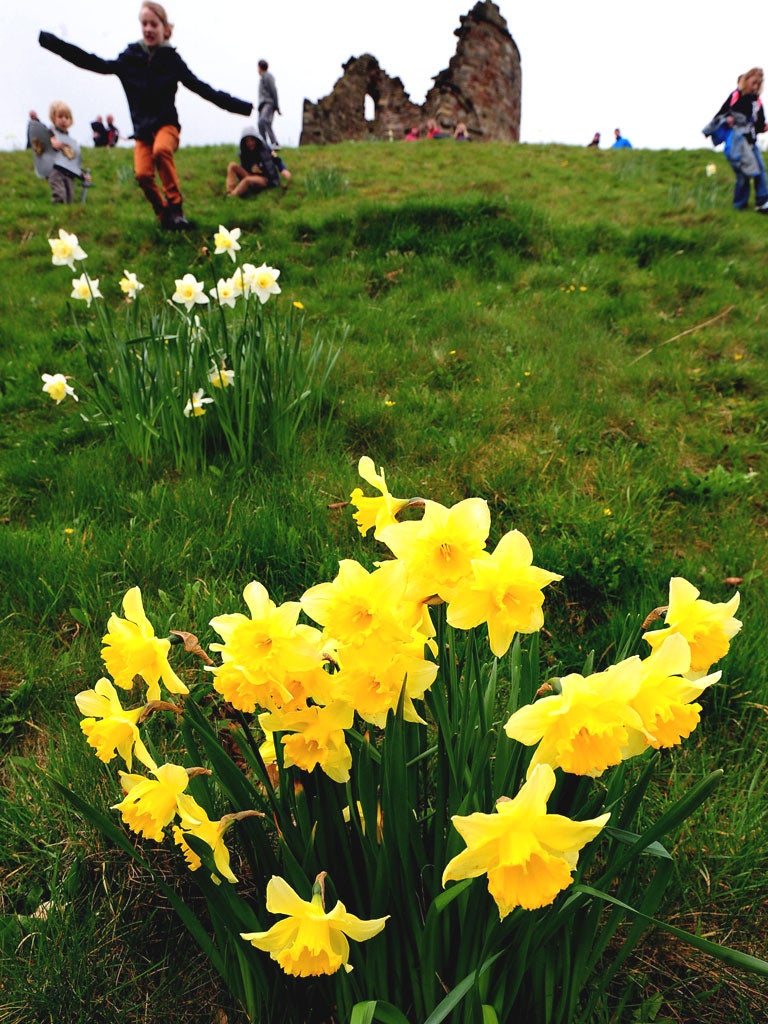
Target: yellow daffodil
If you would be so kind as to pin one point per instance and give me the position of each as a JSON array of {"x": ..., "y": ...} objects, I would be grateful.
[
  {"x": 528, "y": 855},
  {"x": 196, "y": 404},
  {"x": 189, "y": 291},
  {"x": 131, "y": 648},
  {"x": 117, "y": 732},
  {"x": 310, "y": 941},
  {"x": 263, "y": 281},
  {"x": 261, "y": 655},
  {"x": 227, "y": 241},
  {"x": 212, "y": 833},
  {"x": 588, "y": 726},
  {"x": 221, "y": 377},
  {"x": 151, "y": 804},
  {"x": 371, "y": 678},
  {"x": 439, "y": 549},
  {"x": 665, "y": 695},
  {"x": 55, "y": 385},
  {"x": 225, "y": 292},
  {"x": 130, "y": 285},
  {"x": 314, "y": 736},
  {"x": 374, "y": 513},
  {"x": 505, "y": 591},
  {"x": 708, "y": 628},
  {"x": 84, "y": 289},
  {"x": 65, "y": 250}
]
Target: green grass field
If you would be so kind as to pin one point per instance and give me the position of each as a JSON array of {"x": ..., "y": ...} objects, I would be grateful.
[{"x": 577, "y": 336}]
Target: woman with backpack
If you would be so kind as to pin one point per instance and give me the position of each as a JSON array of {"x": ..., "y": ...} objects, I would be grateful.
[{"x": 744, "y": 117}]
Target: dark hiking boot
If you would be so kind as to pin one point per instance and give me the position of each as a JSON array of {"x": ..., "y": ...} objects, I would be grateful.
[{"x": 174, "y": 218}]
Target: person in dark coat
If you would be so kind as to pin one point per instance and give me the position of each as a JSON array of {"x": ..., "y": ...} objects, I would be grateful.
[
  {"x": 150, "y": 71},
  {"x": 259, "y": 166}
]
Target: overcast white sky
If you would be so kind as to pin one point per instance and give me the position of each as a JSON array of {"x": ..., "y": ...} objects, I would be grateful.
[{"x": 657, "y": 69}]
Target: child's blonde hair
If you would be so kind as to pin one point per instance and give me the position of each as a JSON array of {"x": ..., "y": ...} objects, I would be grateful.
[
  {"x": 159, "y": 10},
  {"x": 752, "y": 73},
  {"x": 60, "y": 107}
]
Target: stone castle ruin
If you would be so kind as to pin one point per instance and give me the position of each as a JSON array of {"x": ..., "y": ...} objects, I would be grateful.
[{"x": 481, "y": 87}]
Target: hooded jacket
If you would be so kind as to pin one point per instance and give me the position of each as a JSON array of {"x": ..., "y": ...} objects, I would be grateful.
[
  {"x": 150, "y": 79},
  {"x": 259, "y": 160}
]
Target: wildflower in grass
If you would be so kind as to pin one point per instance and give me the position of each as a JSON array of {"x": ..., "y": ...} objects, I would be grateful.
[
  {"x": 225, "y": 292},
  {"x": 664, "y": 698},
  {"x": 189, "y": 291},
  {"x": 314, "y": 737},
  {"x": 298, "y": 305},
  {"x": 505, "y": 590},
  {"x": 65, "y": 250},
  {"x": 587, "y": 727},
  {"x": 130, "y": 285},
  {"x": 263, "y": 281},
  {"x": 708, "y": 628},
  {"x": 132, "y": 649},
  {"x": 84, "y": 289},
  {"x": 151, "y": 804},
  {"x": 221, "y": 378},
  {"x": 439, "y": 549},
  {"x": 711, "y": 170},
  {"x": 211, "y": 833},
  {"x": 55, "y": 385},
  {"x": 528, "y": 855},
  {"x": 196, "y": 404},
  {"x": 310, "y": 941},
  {"x": 226, "y": 241},
  {"x": 117, "y": 731},
  {"x": 262, "y": 654},
  {"x": 374, "y": 513}
]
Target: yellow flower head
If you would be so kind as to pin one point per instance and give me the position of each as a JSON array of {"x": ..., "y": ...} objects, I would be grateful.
[
  {"x": 132, "y": 649},
  {"x": 151, "y": 804},
  {"x": 708, "y": 628},
  {"x": 309, "y": 941},
  {"x": 263, "y": 653},
  {"x": 227, "y": 241},
  {"x": 439, "y": 549},
  {"x": 226, "y": 292},
  {"x": 505, "y": 591},
  {"x": 130, "y": 285},
  {"x": 665, "y": 695},
  {"x": 85, "y": 290},
  {"x": 196, "y": 404},
  {"x": 262, "y": 280},
  {"x": 374, "y": 513},
  {"x": 527, "y": 854},
  {"x": 65, "y": 250},
  {"x": 55, "y": 385},
  {"x": 212, "y": 833},
  {"x": 117, "y": 732},
  {"x": 189, "y": 291},
  {"x": 221, "y": 377},
  {"x": 587, "y": 727},
  {"x": 314, "y": 736}
]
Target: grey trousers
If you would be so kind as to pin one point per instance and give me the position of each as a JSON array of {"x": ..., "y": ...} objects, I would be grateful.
[
  {"x": 266, "y": 113},
  {"x": 62, "y": 186}
]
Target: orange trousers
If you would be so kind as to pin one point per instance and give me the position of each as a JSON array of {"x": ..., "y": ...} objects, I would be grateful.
[{"x": 158, "y": 158}]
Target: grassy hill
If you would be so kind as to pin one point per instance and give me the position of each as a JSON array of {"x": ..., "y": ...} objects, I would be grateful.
[{"x": 578, "y": 336}]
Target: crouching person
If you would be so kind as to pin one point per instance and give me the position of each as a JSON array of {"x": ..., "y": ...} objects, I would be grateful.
[{"x": 258, "y": 167}]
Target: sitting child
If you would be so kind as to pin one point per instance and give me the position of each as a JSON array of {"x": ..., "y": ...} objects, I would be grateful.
[
  {"x": 57, "y": 154},
  {"x": 258, "y": 168}
]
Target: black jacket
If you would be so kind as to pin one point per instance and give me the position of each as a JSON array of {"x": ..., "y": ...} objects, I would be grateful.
[{"x": 150, "y": 81}]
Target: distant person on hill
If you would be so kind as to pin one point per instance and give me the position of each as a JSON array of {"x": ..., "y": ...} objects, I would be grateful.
[
  {"x": 620, "y": 142},
  {"x": 113, "y": 132},
  {"x": 595, "y": 141},
  {"x": 461, "y": 134},
  {"x": 743, "y": 114},
  {"x": 99, "y": 132},
  {"x": 268, "y": 104},
  {"x": 413, "y": 134},
  {"x": 258, "y": 168},
  {"x": 434, "y": 131},
  {"x": 150, "y": 71},
  {"x": 56, "y": 153}
]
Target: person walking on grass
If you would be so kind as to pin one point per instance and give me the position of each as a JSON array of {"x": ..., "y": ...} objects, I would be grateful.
[
  {"x": 150, "y": 71},
  {"x": 268, "y": 104},
  {"x": 744, "y": 116}
]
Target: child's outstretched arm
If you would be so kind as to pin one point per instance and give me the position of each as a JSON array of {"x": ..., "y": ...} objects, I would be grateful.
[
  {"x": 88, "y": 61},
  {"x": 221, "y": 99}
]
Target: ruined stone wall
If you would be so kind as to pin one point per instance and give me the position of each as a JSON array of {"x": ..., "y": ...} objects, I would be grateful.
[{"x": 481, "y": 87}]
